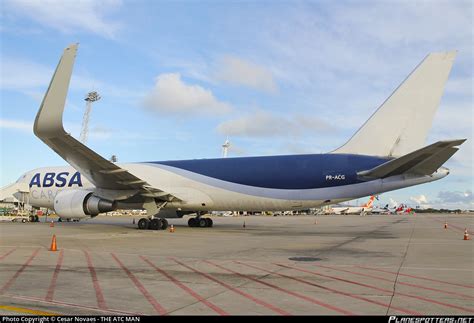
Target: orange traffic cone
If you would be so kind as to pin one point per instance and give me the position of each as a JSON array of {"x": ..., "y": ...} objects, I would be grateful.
[
  {"x": 446, "y": 224},
  {"x": 53, "y": 244},
  {"x": 171, "y": 228},
  {"x": 51, "y": 224},
  {"x": 466, "y": 235}
]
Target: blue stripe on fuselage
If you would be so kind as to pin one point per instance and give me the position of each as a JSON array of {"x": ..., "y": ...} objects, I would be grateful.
[{"x": 283, "y": 172}]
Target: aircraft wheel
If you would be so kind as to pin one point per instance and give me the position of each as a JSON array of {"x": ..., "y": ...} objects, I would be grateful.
[
  {"x": 60, "y": 220},
  {"x": 164, "y": 224},
  {"x": 143, "y": 224},
  {"x": 209, "y": 223},
  {"x": 192, "y": 222},
  {"x": 202, "y": 223},
  {"x": 31, "y": 218},
  {"x": 37, "y": 218},
  {"x": 155, "y": 224}
]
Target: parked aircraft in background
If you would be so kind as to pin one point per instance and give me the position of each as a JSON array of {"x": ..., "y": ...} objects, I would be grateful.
[
  {"x": 401, "y": 209},
  {"x": 386, "y": 153},
  {"x": 383, "y": 210},
  {"x": 404, "y": 209},
  {"x": 346, "y": 209}
]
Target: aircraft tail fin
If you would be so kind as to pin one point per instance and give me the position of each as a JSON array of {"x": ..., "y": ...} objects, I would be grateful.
[
  {"x": 401, "y": 124},
  {"x": 370, "y": 202}
]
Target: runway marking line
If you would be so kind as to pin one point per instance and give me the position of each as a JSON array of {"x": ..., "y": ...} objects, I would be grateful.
[
  {"x": 26, "y": 311},
  {"x": 158, "y": 308},
  {"x": 235, "y": 290},
  {"x": 52, "y": 286},
  {"x": 187, "y": 289},
  {"x": 7, "y": 253},
  {"x": 429, "y": 300},
  {"x": 41, "y": 300},
  {"x": 286, "y": 291},
  {"x": 10, "y": 282},
  {"x": 416, "y": 277},
  {"x": 95, "y": 282},
  {"x": 385, "y": 305},
  {"x": 400, "y": 283}
]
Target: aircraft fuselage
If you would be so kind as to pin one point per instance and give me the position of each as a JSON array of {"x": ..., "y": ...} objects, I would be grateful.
[{"x": 247, "y": 183}]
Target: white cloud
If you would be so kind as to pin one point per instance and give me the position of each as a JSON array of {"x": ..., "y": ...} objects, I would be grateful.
[
  {"x": 419, "y": 200},
  {"x": 393, "y": 203},
  {"x": 454, "y": 121},
  {"x": 20, "y": 125},
  {"x": 345, "y": 52},
  {"x": 21, "y": 74},
  {"x": 69, "y": 16},
  {"x": 238, "y": 71},
  {"x": 266, "y": 124},
  {"x": 460, "y": 86},
  {"x": 30, "y": 78},
  {"x": 392, "y": 23},
  {"x": 446, "y": 199},
  {"x": 235, "y": 150},
  {"x": 172, "y": 96},
  {"x": 456, "y": 197},
  {"x": 96, "y": 133}
]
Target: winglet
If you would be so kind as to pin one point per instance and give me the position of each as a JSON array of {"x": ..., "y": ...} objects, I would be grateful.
[
  {"x": 48, "y": 122},
  {"x": 107, "y": 177}
]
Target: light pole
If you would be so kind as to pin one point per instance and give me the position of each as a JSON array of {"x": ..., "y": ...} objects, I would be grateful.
[{"x": 90, "y": 98}]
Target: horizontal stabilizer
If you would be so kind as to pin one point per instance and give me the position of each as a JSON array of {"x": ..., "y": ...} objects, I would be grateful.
[{"x": 424, "y": 161}]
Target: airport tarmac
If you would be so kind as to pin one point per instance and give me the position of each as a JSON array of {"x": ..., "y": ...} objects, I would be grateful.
[{"x": 316, "y": 265}]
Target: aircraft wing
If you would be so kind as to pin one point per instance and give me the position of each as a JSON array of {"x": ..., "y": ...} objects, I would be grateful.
[
  {"x": 424, "y": 161},
  {"x": 49, "y": 128}
]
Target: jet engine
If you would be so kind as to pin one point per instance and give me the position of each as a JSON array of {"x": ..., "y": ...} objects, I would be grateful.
[{"x": 76, "y": 204}]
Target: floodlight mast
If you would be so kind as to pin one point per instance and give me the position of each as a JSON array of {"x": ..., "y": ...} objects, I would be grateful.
[
  {"x": 91, "y": 97},
  {"x": 225, "y": 148}
]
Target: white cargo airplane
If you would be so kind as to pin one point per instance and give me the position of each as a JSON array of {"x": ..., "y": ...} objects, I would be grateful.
[{"x": 385, "y": 154}]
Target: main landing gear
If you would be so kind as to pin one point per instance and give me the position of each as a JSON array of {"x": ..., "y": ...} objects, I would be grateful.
[
  {"x": 199, "y": 222},
  {"x": 152, "y": 224}
]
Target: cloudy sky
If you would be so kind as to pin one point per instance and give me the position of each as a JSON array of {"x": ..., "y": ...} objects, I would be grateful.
[{"x": 285, "y": 77}]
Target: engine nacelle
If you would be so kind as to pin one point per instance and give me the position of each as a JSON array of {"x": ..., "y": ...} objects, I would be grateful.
[{"x": 76, "y": 204}]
